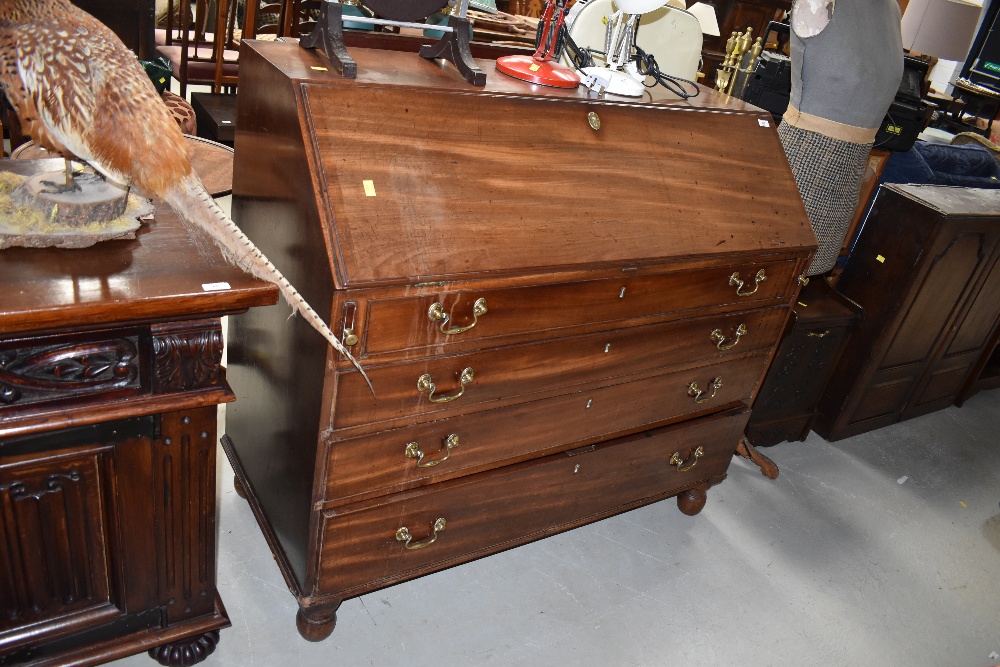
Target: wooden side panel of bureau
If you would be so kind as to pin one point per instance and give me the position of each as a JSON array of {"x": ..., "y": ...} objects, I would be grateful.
[{"x": 565, "y": 305}]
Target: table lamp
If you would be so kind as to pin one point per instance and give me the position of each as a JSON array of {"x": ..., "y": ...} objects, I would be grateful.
[
  {"x": 610, "y": 78},
  {"x": 940, "y": 28},
  {"x": 705, "y": 13},
  {"x": 542, "y": 68}
]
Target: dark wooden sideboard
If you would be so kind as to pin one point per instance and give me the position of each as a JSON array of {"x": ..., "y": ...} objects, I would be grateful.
[
  {"x": 110, "y": 377},
  {"x": 737, "y": 16},
  {"x": 926, "y": 271},
  {"x": 133, "y": 21},
  {"x": 565, "y": 304}
]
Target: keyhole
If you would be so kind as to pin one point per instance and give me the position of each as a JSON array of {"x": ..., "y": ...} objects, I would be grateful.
[
  {"x": 589, "y": 402},
  {"x": 607, "y": 348},
  {"x": 621, "y": 295},
  {"x": 576, "y": 469}
]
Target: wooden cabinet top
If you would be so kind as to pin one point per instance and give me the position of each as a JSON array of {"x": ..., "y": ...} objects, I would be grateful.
[
  {"x": 418, "y": 176},
  {"x": 952, "y": 201},
  {"x": 161, "y": 274}
]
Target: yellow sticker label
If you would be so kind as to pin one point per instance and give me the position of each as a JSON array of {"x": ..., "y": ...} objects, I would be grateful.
[
  {"x": 535, "y": 67},
  {"x": 369, "y": 188},
  {"x": 962, "y": 503},
  {"x": 880, "y": 259},
  {"x": 319, "y": 69}
]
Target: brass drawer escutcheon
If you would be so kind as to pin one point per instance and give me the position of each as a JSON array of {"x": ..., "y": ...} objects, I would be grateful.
[
  {"x": 413, "y": 452},
  {"x": 757, "y": 280},
  {"x": 425, "y": 383},
  {"x": 720, "y": 340},
  {"x": 676, "y": 460},
  {"x": 436, "y": 314},
  {"x": 696, "y": 393},
  {"x": 403, "y": 535}
]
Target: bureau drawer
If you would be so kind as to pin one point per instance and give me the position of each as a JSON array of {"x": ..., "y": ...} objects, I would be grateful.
[
  {"x": 390, "y": 460},
  {"x": 504, "y": 373},
  {"x": 408, "y": 323},
  {"x": 364, "y": 549}
]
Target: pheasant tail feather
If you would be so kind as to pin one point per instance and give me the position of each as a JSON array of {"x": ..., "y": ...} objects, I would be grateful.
[{"x": 196, "y": 207}]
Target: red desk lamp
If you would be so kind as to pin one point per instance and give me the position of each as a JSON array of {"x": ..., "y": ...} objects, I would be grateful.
[{"x": 540, "y": 68}]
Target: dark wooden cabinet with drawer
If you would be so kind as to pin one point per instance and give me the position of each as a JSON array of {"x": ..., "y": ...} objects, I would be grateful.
[
  {"x": 110, "y": 375},
  {"x": 562, "y": 313}
]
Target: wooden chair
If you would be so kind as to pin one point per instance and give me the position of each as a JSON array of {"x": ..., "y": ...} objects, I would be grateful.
[{"x": 194, "y": 59}]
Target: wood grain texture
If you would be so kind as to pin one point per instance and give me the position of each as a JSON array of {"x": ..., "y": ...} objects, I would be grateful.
[
  {"x": 493, "y": 511},
  {"x": 919, "y": 289},
  {"x": 605, "y": 266}
]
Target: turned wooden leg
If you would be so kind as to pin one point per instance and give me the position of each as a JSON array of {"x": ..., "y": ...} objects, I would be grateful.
[
  {"x": 768, "y": 468},
  {"x": 186, "y": 652},
  {"x": 316, "y": 623},
  {"x": 240, "y": 491},
  {"x": 692, "y": 501}
]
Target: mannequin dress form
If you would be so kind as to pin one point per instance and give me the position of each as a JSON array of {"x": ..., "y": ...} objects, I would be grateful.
[{"x": 847, "y": 62}]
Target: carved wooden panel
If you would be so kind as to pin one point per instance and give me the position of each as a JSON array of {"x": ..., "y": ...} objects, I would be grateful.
[
  {"x": 54, "y": 368},
  {"x": 187, "y": 355},
  {"x": 55, "y": 531},
  {"x": 184, "y": 486}
]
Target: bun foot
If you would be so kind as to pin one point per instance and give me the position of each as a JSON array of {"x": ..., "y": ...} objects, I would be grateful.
[
  {"x": 692, "y": 501},
  {"x": 317, "y": 623},
  {"x": 186, "y": 652},
  {"x": 240, "y": 491}
]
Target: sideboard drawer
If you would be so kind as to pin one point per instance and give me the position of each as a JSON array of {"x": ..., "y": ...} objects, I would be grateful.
[
  {"x": 491, "y": 511},
  {"x": 503, "y": 373},
  {"x": 378, "y": 463},
  {"x": 407, "y": 323}
]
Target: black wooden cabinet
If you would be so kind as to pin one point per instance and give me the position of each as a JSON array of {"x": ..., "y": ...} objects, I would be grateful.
[{"x": 813, "y": 341}]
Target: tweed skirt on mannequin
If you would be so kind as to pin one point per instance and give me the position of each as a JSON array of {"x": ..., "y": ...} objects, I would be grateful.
[{"x": 828, "y": 173}]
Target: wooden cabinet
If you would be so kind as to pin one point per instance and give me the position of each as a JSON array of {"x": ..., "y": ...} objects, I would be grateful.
[
  {"x": 926, "y": 270},
  {"x": 562, "y": 312},
  {"x": 110, "y": 373},
  {"x": 822, "y": 318},
  {"x": 737, "y": 16}
]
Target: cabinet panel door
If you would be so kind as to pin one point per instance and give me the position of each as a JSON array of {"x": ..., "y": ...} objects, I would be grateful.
[
  {"x": 949, "y": 275},
  {"x": 56, "y": 536}
]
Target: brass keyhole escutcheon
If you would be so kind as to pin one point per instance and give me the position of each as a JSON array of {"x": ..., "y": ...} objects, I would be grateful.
[{"x": 594, "y": 120}]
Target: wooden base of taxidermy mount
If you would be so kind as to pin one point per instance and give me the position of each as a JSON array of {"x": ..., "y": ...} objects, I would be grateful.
[{"x": 42, "y": 210}]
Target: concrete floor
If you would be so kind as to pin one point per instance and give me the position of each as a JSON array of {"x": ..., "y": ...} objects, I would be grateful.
[{"x": 883, "y": 549}]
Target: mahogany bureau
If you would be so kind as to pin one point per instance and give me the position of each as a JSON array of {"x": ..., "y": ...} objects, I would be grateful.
[
  {"x": 110, "y": 376},
  {"x": 565, "y": 305}
]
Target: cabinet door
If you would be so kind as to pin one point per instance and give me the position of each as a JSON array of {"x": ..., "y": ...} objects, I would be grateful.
[
  {"x": 965, "y": 343},
  {"x": 57, "y": 532}
]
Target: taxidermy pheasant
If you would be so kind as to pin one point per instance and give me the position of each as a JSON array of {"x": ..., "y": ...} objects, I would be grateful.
[{"x": 81, "y": 93}]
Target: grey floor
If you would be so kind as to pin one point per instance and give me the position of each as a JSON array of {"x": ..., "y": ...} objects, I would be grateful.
[{"x": 883, "y": 549}]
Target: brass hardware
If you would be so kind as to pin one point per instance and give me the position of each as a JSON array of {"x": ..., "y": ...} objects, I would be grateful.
[
  {"x": 676, "y": 460},
  {"x": 412, "y": 451},
  {"x": 350, "y": 338},
  {"x": 757, "y": 279},
  {"x": 696, "y": 393},
  {"x": 426, "y": 383},
  {"x": 403, "y": 535},
  {"x": 720, "y": 339},
  {"x": 819, "y": 334},
  {"x": 594, "y": 120},
  {"x": 436, "y": 314},
  {"x": 803, "y": 280}
]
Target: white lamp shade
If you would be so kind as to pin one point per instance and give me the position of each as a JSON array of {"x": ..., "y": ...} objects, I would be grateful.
[
  {"x": 940, "y": 28},
  {"x": 706, "y": 17},
  {"x": 639, "y": 6}
]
